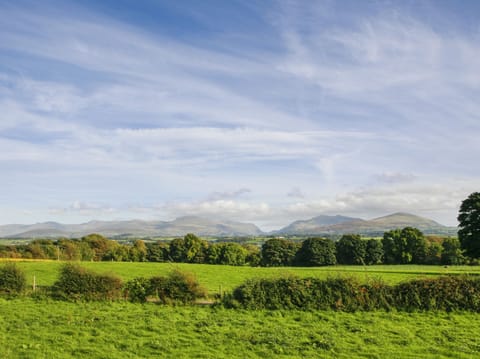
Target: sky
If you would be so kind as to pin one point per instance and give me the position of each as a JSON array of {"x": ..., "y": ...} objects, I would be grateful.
[{"x": 256, "y": 111}]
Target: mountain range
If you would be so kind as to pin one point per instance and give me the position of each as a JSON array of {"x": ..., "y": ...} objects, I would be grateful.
[
  {"x": 321, "y": 225},
  {"x": 334, "y": 225}
]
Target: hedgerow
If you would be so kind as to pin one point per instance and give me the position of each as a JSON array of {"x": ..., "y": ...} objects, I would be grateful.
[{"x": 347, "y": 294}]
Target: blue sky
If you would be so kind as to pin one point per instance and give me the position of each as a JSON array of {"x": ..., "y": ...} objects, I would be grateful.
[{"x": 265, "y": 112}]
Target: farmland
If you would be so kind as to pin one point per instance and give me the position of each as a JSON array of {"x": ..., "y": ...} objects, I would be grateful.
[
  {"x": 49, "y": 329},
  {"x": 45, "y": 328},
  {"x": 212, "y": 277}
]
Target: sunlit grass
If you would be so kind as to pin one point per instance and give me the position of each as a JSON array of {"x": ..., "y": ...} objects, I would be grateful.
[{"x": 49, "y": 329}]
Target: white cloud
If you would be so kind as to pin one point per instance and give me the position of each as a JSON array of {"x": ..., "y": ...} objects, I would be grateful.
[{"x": 225, "y": 209}]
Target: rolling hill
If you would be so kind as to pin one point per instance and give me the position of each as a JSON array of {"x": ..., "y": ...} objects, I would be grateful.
[
  {"x": 321, "y": 225},
  {"x": 178, "y": 227},
  {"x": 325, "y": 225}
]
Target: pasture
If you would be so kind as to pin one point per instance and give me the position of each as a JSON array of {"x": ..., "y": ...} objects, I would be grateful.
[
  {"x": 45, "y": 328},
  {"x": 214, "y": 277},
  {"x": 50, "y": 329}
]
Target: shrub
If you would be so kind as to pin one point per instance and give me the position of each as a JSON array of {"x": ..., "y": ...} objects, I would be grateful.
[
  {"x": 12, "y": 279},
  {"x": 176, "y": 287},
  {"x": 137, "y": 290},
  {"x": 77, "y": 283}
]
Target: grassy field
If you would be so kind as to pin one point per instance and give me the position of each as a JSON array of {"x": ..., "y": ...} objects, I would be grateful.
[
  {"x": 46, "y": 328},
  {"x": 213, "y": 277},
  {"x": 49, "y": 329}
]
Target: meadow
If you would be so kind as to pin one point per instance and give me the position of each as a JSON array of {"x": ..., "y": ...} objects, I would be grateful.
[
  {"x": 50, "y": 329},
  {"x": 45, "y": 328},
  {"x": 216, "y": 277}
]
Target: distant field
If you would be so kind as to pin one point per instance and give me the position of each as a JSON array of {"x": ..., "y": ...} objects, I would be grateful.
[
  {"x": 227, "y": 277},
  {"x": 49, "y": 329}
]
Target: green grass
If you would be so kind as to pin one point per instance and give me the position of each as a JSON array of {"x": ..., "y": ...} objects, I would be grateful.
[
  {"x": 49, "y": 329},
  {"x": 46, "y": 328},
  {"x": 213, "y": 277}
]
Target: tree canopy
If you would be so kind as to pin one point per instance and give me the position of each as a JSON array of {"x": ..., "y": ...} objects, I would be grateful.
[
  {"x": 469, "y": 225},
  {"x": 316, "y": 252}
]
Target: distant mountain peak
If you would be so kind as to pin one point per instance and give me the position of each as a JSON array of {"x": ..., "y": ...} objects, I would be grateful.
[
  {"x": 328, "y": 225},
  {"x": 313, "y": 225},
  {"x": 178, "y": 227}
]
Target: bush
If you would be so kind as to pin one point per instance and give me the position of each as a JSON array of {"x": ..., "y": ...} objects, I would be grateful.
[
  {"x": 176, "y": 287},
  {"x": 12, "y": 280},
  {"x": 77, "y": 283},
  {"x": 137, "y": 290}
]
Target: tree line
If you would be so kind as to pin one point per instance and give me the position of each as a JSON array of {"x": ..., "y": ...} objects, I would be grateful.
[
  {"x": 95, "y": 247},
  {"x": 399, "y": 246}
]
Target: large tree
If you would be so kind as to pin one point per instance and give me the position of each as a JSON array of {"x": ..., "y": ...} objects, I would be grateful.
[
  {"x": 404, "y": 246},
  {"x": 452, "y": 252},
  {"x": 189, "y": 249},
  {"x": 316, "y": 252},
  {"x": 278, "y": 252},
  {"x": 351, "y": 249},
  {"x": 469, "y": 224},
  {"x": 374, "y": 251}
]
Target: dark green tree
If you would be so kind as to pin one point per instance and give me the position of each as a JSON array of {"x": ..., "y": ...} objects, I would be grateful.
[
  {"x": 434, "y": 253},
  {"x": 374, "y": 252},
  {"x": 416, "y": 245},
  {"x": 157, "y": 252},
  {"x": 138, "y": 251},
  {"x": 231, "y": 254},
  {"x": 189, "y": 249},
  {"x": 351, "y": 249},
  {"x": 452, "y": 251},
  {"x": 392, "y": 251},
  {"x": 316, "y": 252},
  {"x": 177, "y": 250},
  {"x": 469, "y": 225},
  {"x": 404, "y": 246},
  {"x": 278, "y": 252},
  {"x": 253, "y": 255}
]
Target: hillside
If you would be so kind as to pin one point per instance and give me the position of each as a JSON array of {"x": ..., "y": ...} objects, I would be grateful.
[
  {"x": 178, "y": 227},
  {"x": 373, "y": 227},
  {"x": 320, "y": 225},
  {"x": 314, "y": 224}
]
